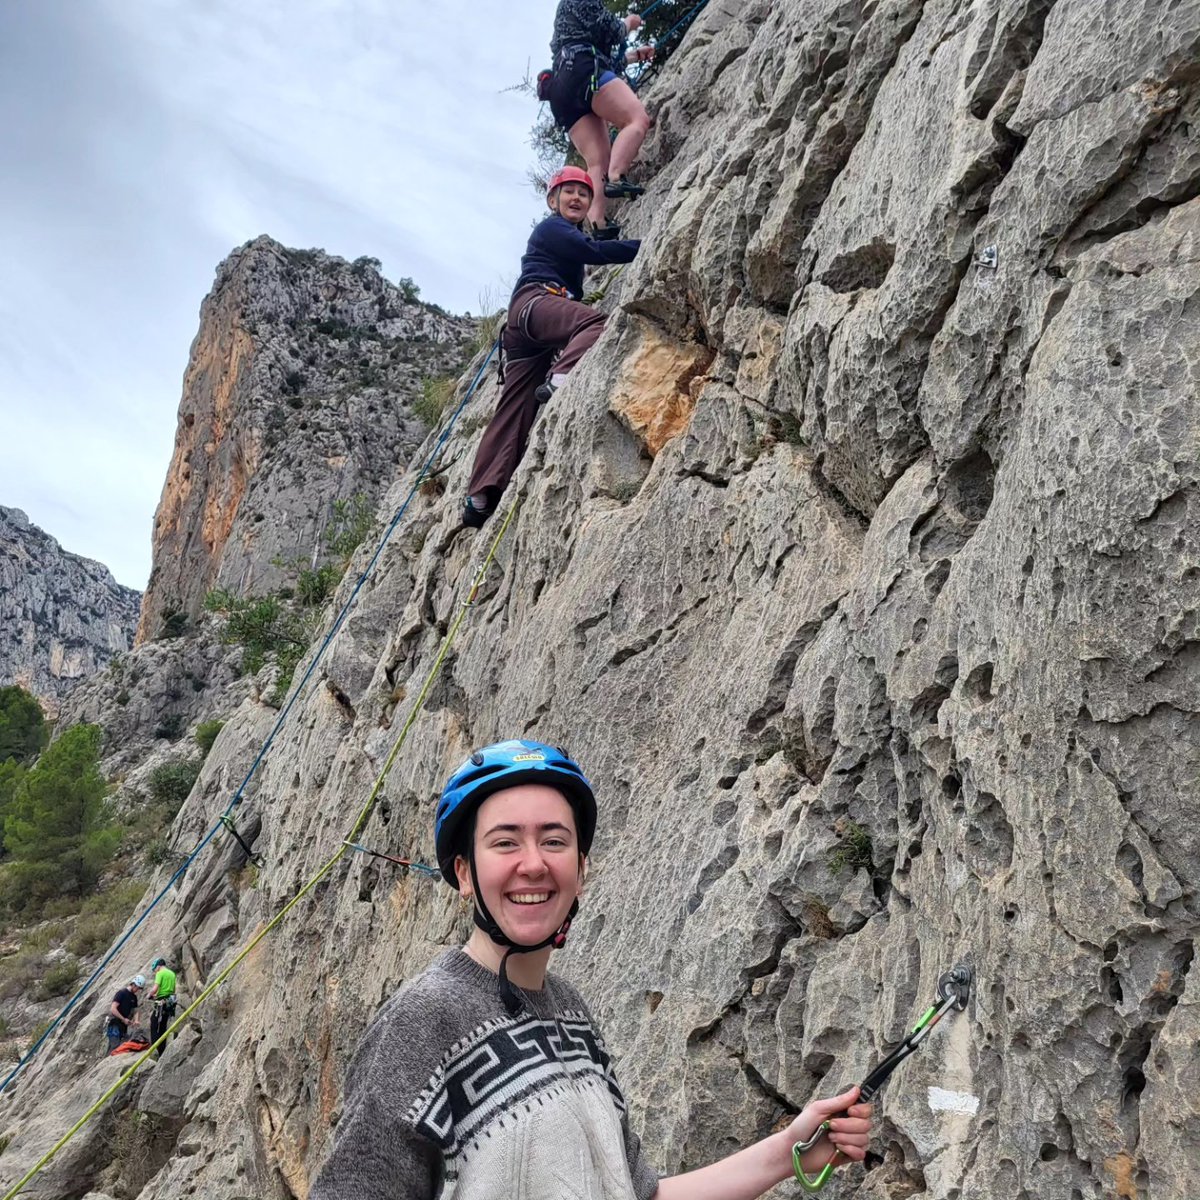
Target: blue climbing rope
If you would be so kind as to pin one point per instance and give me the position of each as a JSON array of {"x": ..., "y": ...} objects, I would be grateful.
[
  {"x": 224, "y": 819},
  {"x": 648, "y": 68}
]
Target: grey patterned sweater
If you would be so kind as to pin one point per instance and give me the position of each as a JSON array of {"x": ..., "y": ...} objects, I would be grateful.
[{"x": 449, "y": 1096}]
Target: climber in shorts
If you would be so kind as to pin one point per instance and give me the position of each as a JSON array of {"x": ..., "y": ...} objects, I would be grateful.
[
  {"x": 547, "y": 332},
  {"x": 485, "y": 1076},
  {"x": 587, "y": 94}
]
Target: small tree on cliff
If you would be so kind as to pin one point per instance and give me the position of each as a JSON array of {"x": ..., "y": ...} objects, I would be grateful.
[{"x": 57, "y": 827}]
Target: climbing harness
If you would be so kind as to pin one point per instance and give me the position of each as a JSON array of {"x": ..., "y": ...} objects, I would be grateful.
[
  {"x": 279, "y": 723},
  {"x": 953, "y": 993},
  {"x": 256, "y": 859},
  {"x": 400, "y": 862},
  {"x": 360, "y": 821}
]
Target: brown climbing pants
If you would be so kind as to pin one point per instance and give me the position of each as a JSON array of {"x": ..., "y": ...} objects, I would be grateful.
[{"x": 540, "y": 326}]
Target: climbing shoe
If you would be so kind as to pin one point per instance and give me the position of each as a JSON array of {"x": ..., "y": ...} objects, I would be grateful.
[
  {"x": 476, "y": 511},
  {"x": 544, "y": 391},
  {"x": 606, "y": 233},
  {"x": 622, "y": 189}
]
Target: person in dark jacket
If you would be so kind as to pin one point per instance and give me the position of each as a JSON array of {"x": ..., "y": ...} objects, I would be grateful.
[
  {"x": 545, "y": 320},
  {"x": 122, "y": 1012},
  {"x": 588, "y": 93}
]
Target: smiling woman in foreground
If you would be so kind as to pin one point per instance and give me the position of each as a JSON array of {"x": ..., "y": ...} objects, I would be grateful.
[{"x": 485, "y": 1077}]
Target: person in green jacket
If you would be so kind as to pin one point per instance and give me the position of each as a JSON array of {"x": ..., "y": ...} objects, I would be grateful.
[{"x": 163, "y": 995}]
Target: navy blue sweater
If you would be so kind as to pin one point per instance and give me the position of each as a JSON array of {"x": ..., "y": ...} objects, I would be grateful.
[{"x": 558, "y": 251}]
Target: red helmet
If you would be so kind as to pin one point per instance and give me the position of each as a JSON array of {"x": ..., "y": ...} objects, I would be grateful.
[{"x": 570, "y": 175}]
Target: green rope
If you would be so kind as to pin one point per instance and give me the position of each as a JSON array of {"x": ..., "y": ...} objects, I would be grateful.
[{"x": 324, "y": 870}]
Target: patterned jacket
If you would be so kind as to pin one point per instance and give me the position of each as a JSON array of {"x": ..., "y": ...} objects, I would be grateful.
[{"x": 589, "y": 23}]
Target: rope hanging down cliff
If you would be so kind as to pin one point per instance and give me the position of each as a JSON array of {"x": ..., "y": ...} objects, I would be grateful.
[
  {"x": 224, "y": 820},
  {"x": 353, "y": 833}
]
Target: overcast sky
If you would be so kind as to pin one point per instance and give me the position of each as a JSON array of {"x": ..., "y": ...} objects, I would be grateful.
[{"x": 142, "y": 140}]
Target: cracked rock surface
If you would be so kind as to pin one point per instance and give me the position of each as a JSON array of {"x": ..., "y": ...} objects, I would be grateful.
[{"x": 869, "y": 603}]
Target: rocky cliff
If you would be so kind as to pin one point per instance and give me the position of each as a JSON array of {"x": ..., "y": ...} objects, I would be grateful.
[
  {"x": 298, "y": 393},
  {"x": 859, "y": 565},
  {"x": 63, "y": 617}
]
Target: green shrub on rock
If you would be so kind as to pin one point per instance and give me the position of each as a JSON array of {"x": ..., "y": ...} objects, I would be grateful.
[
  {"x": 171, "y": 782},
  {"x": 59, "y": 979},
  {"x": 206, "y": 735}
]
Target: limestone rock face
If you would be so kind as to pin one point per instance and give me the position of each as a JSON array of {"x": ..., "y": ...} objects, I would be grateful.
[
  {"x": 62, "y": 617},
  {"x": 298, "y": 393},
  {"x": 151, "y": 698},
  {"x": 868, "y": 601}
]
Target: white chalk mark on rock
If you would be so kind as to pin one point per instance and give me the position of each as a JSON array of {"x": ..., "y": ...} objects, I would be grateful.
[{"x": 941, "y": 1100}]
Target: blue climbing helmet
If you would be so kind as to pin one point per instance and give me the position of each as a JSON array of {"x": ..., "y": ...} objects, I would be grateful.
[{"x": 504, "y": 765}]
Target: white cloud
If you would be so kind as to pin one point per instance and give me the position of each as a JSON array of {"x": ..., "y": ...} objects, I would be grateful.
[{"x": 142, "y": 142}]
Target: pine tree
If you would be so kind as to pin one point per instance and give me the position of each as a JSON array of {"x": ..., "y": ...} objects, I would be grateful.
[
  {"x": 57, "y": 827},
  {"x": 22, "y": 725},
  {"x": 11, "y": 774}
]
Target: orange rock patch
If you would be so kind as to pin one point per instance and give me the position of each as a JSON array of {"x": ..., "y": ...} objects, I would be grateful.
[
  {"x": 658, "y": 387},
  {"x": 1122, "y": 1168}
]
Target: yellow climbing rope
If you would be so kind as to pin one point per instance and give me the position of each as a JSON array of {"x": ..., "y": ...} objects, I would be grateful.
[{"x": 324, "y": 870}]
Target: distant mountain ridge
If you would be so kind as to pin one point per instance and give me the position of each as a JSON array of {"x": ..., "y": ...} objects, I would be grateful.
[{"x": 62, "y": 616}]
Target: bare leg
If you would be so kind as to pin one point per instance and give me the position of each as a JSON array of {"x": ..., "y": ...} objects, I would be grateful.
[
  {"x": 618, "y": 104},
  {"x": 590, "y": 138}
]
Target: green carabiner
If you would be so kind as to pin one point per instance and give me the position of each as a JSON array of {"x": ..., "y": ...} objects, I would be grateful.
[{"x": 813, "y": 1183}]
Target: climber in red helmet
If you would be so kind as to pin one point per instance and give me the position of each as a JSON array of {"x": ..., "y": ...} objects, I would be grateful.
[
  {"x": 548, "y": 331},
  {"x": 587, "y": 94}
]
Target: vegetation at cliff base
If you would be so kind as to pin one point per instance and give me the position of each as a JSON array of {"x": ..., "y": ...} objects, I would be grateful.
[{"x": 58, "y": 833}]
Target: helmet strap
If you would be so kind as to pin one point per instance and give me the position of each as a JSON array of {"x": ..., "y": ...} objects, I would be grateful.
[{"x": 485, "y": 921}]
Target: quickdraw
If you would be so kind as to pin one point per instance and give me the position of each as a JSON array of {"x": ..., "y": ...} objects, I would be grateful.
[
  {"x": 400, "y": 862},
  {"x": 953, "y": 993},
  {"x": 256, "y": 859},
  {"x": 648, "y": 70}
]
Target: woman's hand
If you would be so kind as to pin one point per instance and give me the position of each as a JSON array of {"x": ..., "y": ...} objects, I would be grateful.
[
  {"x": 632, "y": 22},
  {"x": 640, "y": 55},
  {"x": 849, "y": 1129}
]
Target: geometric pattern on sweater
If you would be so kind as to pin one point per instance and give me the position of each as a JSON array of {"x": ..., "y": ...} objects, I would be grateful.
[{"x": 500, "y": 1066}]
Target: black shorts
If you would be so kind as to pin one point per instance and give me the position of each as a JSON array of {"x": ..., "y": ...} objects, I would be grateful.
[{"x": 577, "y": 78}]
